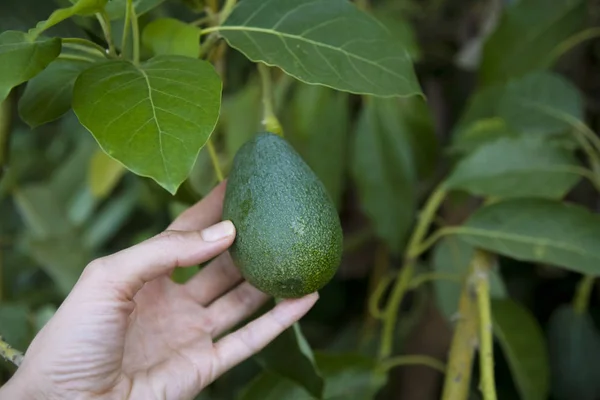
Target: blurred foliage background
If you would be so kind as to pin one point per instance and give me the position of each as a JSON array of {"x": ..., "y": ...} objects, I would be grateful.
[{"x": 61, "y": 206}]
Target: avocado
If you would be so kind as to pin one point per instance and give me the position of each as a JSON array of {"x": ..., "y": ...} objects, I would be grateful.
[{"x": 289, "y": 236}]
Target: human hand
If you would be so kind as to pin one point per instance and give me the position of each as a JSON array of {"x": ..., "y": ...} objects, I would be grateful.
[{"x": 127, "y": 331}]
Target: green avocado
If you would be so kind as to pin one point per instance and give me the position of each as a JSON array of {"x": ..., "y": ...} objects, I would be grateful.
[{"x": 288, "y": 233}]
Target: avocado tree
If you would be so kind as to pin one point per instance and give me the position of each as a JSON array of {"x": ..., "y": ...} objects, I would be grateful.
[{"x": 116, "y": 114}]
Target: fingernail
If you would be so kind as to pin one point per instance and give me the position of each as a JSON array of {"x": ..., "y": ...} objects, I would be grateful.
[{"x": 218, "y": 231}]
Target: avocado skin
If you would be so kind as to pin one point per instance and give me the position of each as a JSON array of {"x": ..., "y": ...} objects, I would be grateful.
[{"x": 288, "y": 233}]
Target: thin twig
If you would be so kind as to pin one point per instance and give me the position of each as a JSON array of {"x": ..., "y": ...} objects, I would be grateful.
[
  {"x": 215, "y": 160},
  {"x": 270, "y": 121},
  {"x": 583, "y": 293},
  {"x": 135, "y": 31},
  {"x": 10, "y": 354},
  {"x": 106, "y": 29},
  {"x": 413, "y": 359},
  {"x": 483, "y": 265},
  {"x": 128, "y": 7}
]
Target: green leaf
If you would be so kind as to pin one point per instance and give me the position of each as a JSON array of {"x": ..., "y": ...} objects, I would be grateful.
[
  {"x": 319, "y": 127},
  {"x": 41, "y": 211},
  {"x": 81, "y": 7},
  {"x": 22, "y": 58},
  {"x": 171, "y": 36},
  {"x": 104, "y": 174},
  {"x": 451, "y": 257},
  {"x": 326, "y": 42},
  {"x": 516, "y": 167},
  {"x": 538, "y": 230},
  {"x": 348, "y": 377},
  {"x": 573, "y": 343},
  {"x": 47, "y": 96},
  {"x": 534, "y": 103},
  {"x": 116, "y": 8},
  {"x": 524, "y": 346},
  {"x": 14, "y": 325},
  {"x": 291, "y": 357},
  {"x": 384, "y": 171},
  {"x": 527, "y": 34},
  {"x": 154, "y": 118}
]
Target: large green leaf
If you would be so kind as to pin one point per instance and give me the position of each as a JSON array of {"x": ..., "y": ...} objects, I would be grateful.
[
  {"x": 319, "y": 127},
  {"x": 534, "y": 103},
  {"x": 171, "y": 36},
  {"x": 538, "y": 230},
  {"x": 291, "y": 357},
  {"x": 154, "y": 118},
  {"x": 526, "y": 35},
  {"x": 574, "y": 343},
  {"x": 116, "y": 8},
  {"x": 327, "y": 42},
  {"x": 537, "y": 103},
  {"x": 22, "y": 58},
  {"x": 348, "y": 377},
  {"x": 452, "y": 257},
  {"x": 48, "y": 95},
  {"x": 516, "y": 167},
  {"x": 524, "y": 346},
  {"x": 384, "y": 171}
]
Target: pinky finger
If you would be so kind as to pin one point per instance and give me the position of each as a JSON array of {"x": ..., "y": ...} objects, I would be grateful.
[{"x": 253, "y": 337}]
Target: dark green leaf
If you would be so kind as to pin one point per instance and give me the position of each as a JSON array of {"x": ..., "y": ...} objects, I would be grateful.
[
  {"x": 384, "y": 171},
  {"x": 573, "y": 342},
  {"x": 48, "y": 95},
  {"x": 401, "y": 30},
  {"x": 516, "y": 167},
  {"x": 538, "y": 230},
  {"x": 14, "y": 325},
  {"x": 318, "y": 130},
  {"x": 291, "y": 357},
  {"x": 524, "y": 346},
  {"x": 41, "y": 211},
  {"x": 170, "y": 36},
  {"x": 154, "y": 118},
  {"x": 348, "y": 377},
  {"x": 527, "y": 34},
  {"x": 116, "y": 8},
  {"x": 534, "y": 103},
  {"x": 270, "y": 386},
  {"x": 451, "y": 257},
  {"x": 22, "y": 58},
  {"x": 326, "y": 42}
]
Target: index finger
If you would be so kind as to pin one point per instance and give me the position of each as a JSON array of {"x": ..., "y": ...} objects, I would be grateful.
[
  {"x": 250, "y": 339},
  {"x": 204, "y": 213}
]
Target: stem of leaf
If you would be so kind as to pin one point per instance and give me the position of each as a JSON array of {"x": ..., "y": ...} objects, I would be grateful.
[
  {"x": 10, "y": 354},
  {"x": 215, "y": 160},
  {"x": 5, "y": 131},
  {"x": 376, "y": 295},
  {"x": 483, "y": 265},
  {"x": 412, "y": 360},
  {"x": 227, "y": 9},
  {"x": 88, "y": 50},
  {"x": 464, "y": 342},
  {"x": 128, "y": 7},
  {"x": 135, "y": 31},
  {"x": 425, "y": 219},
  {"x": 571, "y": 42},
  {"x": 74, "y": 57},
  {"x": 106, "y": 29},
  {"x": 84, "y": 43},
  {"x": 583, "y": 293},
  {"x": 270, "y": 121}
]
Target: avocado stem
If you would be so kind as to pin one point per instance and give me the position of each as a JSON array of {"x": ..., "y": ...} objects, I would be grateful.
[{"x": 270, "y": 121}]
